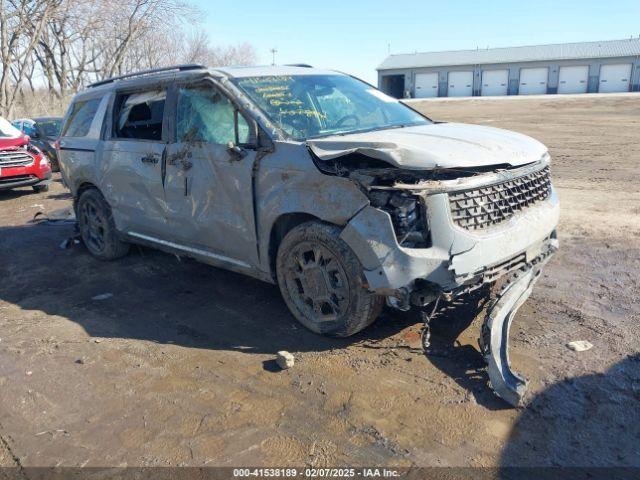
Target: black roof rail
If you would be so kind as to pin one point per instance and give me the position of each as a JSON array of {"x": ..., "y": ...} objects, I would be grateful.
[
  {"x": 153, "y": 71},
  {"x": 303, "y": 65}
]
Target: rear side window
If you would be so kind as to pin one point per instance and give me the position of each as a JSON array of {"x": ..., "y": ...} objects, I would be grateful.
[
  {"x": 79, "y": 122},
  {"x": 140, "y": 115}
]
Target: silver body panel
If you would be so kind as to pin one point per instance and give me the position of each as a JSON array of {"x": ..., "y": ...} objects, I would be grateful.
[{"x": 223, "y": 210}]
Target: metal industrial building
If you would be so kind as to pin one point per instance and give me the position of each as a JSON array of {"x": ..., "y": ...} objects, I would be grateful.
[{"x": 586, "y": 67}]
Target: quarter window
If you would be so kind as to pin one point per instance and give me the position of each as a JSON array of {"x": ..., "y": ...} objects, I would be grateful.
[
  {"x": 140, "y": 115},
  {"x": 81, "y": 117},
  {"x": 205, "y": 115}
]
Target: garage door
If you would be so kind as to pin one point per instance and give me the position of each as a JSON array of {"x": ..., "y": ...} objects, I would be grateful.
[
  {"x": 573, "y": 79},
  {"x": 615, "y": 78},
  {"x": 426, "y": 85},
  {"x": 533, "y": 81},
  {"x": 460, "y": 84},
  {"x": 495, "y": 82}
]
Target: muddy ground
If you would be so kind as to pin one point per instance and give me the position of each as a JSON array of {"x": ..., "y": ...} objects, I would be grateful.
[{"x": 176, "y": 367}]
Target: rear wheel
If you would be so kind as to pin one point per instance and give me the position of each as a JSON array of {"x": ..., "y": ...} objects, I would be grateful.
[
  {"x": 97, "y": 228},
  {"x": 322, "y": 283}
]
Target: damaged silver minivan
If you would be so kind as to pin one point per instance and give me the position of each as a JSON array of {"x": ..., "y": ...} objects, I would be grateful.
[{"x": 314, "y": 180}]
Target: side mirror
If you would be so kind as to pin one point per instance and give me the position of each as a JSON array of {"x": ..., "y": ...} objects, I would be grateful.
[{"x": 236, "y": 152}]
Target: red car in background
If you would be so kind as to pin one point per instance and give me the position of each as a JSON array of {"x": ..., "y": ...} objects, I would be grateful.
[{"x": 21, "y": 164}]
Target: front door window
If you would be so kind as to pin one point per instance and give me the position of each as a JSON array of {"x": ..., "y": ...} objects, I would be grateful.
[{"x": 204, "y": 115}]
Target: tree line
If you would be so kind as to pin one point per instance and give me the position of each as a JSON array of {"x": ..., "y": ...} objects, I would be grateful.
[{"x": 53, "y": 48}]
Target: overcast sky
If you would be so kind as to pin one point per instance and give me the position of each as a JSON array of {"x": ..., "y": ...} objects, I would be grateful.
[{"x": 354, "y": 36}]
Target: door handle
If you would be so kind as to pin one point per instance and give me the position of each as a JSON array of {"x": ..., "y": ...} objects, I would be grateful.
[{"x": 149, "y": 159}]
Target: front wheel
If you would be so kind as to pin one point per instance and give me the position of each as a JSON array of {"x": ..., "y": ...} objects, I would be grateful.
[
  {"x": 97, "y": 228},
  {"x": 322, "y": 283}
]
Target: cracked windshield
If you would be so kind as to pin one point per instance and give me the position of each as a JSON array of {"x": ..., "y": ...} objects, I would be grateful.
[{"x": 312, "y": 106}]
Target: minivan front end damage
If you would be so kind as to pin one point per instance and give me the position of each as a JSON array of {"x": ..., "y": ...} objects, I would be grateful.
[
  {"x": 459, "y": 235},
  {"x": 429, "y": 210}
]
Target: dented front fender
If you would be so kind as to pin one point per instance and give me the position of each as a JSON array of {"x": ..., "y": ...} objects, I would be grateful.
[{"x": 389, "y": 267}]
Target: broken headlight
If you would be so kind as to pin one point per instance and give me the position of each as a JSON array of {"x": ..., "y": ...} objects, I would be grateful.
[{"x": 408, "y": 215}]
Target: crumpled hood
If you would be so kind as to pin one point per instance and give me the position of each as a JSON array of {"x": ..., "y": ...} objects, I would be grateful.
[
  {"x": 438, "y": 145},
  {"x": 13, "y": 142}
]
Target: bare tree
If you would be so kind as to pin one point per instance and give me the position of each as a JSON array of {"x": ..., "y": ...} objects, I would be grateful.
[
  {"x": 129, "y": 21},
  {"x": 197, "y": 49},
  {"x": 21, "y": 25},
  {"x": 61, "y": 51},
  {"x": 170, "y": 47},
  {"x": 242, "y": 54},
  {"x": 62, "y": 45}
]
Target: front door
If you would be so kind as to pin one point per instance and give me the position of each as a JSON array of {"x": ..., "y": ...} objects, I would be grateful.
[
  {"x": 208, "y": 180},
  {"x": 132, "y": 160}
]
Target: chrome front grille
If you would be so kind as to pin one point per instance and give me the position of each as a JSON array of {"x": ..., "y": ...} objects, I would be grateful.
[
  {"x": 14, "y": 158},
  {"x": 485, "y": 207}
]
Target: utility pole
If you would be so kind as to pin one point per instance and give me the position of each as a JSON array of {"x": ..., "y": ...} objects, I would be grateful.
[{"x": 273, "y": 51}]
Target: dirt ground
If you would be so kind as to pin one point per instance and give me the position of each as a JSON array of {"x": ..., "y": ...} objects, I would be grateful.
[{"x": 176, "y": 367}]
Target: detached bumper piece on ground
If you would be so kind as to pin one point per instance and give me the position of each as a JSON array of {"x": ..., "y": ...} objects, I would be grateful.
[{"x": 494, "y": 337}]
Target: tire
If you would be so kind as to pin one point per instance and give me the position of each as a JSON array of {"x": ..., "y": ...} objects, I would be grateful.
[
  {"x": 97, "y": 228},
  {"x": 322, "y": 283},
  {"x": 40, "y": 188}
]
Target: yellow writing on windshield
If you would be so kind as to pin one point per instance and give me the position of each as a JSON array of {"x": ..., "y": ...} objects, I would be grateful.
[
  {"x": 273, "y": 79},
  {"x": 267, "y": 96},
  {"x": 272, "y": 88},
  {"x": 303, "y": 112},
  {"x": 279, "y": 103}
]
